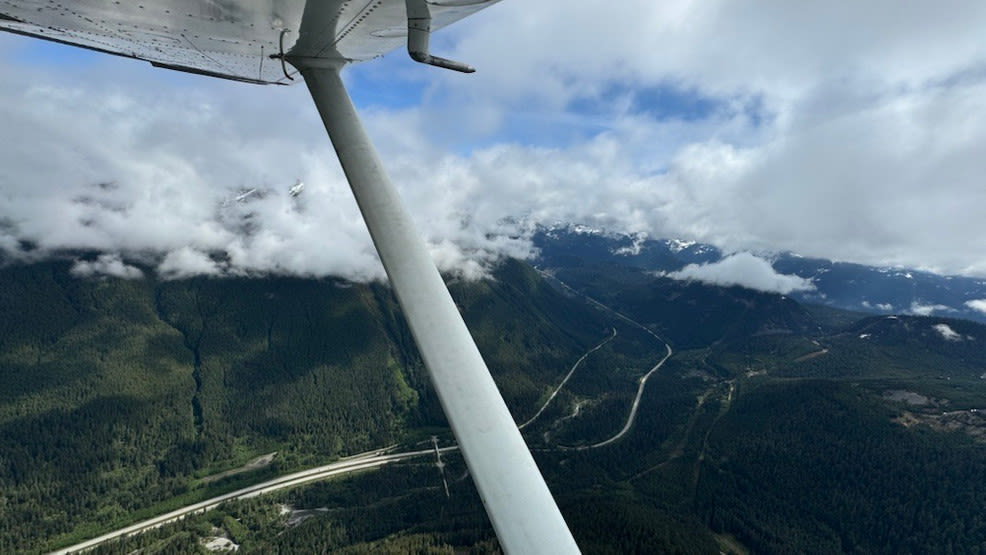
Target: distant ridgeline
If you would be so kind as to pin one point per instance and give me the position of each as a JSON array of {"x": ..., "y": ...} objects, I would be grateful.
[
  {"x": 775, "y": 426},
  {"x": 840, "y": 285}
]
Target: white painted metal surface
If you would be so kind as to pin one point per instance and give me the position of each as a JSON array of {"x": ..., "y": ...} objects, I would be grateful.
[
  {"x": 233, "y": 39},
  {"x": 522, "y": 510}
]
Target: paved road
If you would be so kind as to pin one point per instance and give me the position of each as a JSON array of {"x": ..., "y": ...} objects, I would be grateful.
[
  {"x": 563, "y": 382},
  {"x": 363, "y": 461},
  {"x": 643, "y": 380},
  {"x": 633, "y": 408}
]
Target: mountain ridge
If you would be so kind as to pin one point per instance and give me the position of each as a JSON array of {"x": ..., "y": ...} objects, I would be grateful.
[{"x": 843, "y": 285}]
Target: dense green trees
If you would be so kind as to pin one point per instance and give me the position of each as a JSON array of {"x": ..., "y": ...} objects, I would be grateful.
[
  {"x": 818, "y": 467},
  {"x": 118, "y": 397}
]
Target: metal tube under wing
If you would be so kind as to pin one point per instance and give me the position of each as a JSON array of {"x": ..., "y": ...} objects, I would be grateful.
[{"x": 517, "y": 500}]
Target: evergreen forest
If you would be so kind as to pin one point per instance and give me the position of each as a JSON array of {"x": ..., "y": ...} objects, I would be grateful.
[{"x": 773, "y": 427}]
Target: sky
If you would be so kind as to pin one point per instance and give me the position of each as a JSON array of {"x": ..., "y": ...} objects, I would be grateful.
[{"x": 843, "y": 130}]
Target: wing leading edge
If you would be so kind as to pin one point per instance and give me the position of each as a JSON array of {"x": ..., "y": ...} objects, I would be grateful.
[{"x": 232, "y": 39}]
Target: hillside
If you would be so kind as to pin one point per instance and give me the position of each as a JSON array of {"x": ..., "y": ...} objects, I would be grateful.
[
  {"x": 772, "y": 428},
  {"x": 118, "y": 394},
  {"x": 690, "y": 314}
]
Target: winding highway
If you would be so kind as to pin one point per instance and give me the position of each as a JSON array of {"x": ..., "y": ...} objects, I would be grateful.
[{"x": 643, "y": 380}]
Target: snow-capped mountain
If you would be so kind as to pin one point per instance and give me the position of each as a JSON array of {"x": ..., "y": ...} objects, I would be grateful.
[{"x": 848, "y": 286}]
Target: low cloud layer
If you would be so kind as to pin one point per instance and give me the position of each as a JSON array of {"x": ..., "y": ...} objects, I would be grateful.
[
  {"x": 106, "y": 265},
  {"x": 947, "y": 333},
  {"x": 157, "y": 187},
  {"x": 885, "y": 307},
  {"x": 977, "y": 304},
  {"x": 745, "y": 270},
  {"x": 921, "y": 309}
]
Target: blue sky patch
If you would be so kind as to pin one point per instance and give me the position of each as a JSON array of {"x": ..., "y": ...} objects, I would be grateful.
[
  {"x": 660, "y": 102},
  {"x": 388, "y": 82}
]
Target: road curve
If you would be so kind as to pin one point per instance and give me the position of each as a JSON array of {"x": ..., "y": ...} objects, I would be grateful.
[
  {"x": 633, "y": 408},
  {"x": 643, "y": 380},
  {"x": 362, "y": 461},
  {"x": 564, "y": 381}
]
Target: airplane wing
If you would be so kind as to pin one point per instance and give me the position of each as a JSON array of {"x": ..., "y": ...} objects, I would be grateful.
[{"x": 232, "y": 39}]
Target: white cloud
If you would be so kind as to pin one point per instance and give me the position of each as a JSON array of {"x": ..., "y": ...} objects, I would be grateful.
[
  {"x": 635, "y": 247},
  {"x": 947, "y": 333},
  {"x": 885, "y": 307},
  {"x": 106, "y": 265},
  {"x": 864, "y": 122},
  {"x": 977, "y": 304},
  {"x": 927, "y": 309},
  {"x": 186, "y": 262},
  {"x": 746, "y": 270}
]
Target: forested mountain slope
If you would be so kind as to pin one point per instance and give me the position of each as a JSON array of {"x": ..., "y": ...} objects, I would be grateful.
[
  {"x": 117, "y": 394},
  {"x": 772, "y": 428}
]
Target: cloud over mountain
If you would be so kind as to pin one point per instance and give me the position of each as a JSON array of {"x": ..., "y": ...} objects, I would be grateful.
[
  {"x": 106, "y": 265},
  {"x": 746, "y": 270}
]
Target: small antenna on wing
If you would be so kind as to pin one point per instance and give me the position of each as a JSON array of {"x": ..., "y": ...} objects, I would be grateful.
[{"x": 419, "y": 35}]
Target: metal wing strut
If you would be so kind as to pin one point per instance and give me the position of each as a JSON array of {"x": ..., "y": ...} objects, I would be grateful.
[{"x": 517, "y": 500}]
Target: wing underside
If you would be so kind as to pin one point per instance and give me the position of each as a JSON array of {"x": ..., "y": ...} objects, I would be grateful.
[{"x": 232, "y": 39}]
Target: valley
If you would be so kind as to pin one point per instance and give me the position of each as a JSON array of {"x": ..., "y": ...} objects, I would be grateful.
[{"x": 745, "y": 395}]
